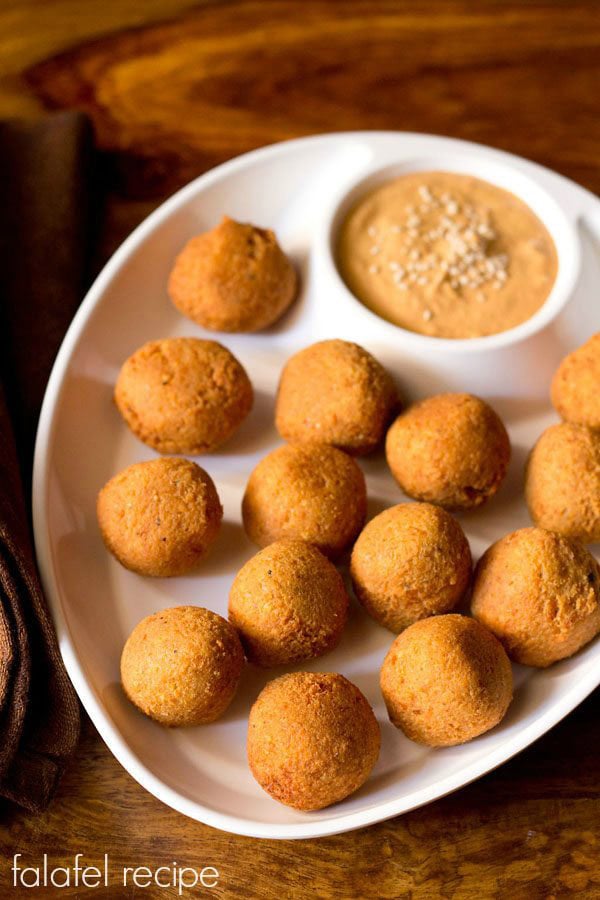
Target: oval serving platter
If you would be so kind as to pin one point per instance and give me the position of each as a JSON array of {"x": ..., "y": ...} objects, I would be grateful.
[{"x": 296, "y": 189}]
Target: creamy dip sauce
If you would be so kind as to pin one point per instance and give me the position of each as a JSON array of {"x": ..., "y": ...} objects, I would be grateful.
[{"x": 446, "y": 255}]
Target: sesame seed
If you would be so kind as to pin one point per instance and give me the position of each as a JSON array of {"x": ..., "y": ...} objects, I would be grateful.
[
  {"x": 371, "y": 231},
  {"x": 375, "y": 250},
  {"x": 374, "y": 269},
  {"x": 427, "y": 315}
]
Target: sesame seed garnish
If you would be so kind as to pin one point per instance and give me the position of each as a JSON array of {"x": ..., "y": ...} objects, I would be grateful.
[
  {"x": 442, "y": 240},
  {"x": 427, "y": 315}
]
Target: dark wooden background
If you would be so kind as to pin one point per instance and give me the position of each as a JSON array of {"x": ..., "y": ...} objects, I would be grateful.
[{"x": 175, "y": 87}]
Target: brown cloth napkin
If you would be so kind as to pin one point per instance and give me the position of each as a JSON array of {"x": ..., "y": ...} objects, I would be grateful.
[{"x": 45, "y": 205}]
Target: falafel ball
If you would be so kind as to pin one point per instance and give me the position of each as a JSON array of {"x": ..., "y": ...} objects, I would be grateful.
[
  {"x": 575, "y": 388},
  {"x": 235, "y": 278},
  {"x": 312, "y": 493},
  {"x": 335, "y": 392},
  {"x": 539, "y": 593},
  {"x": 446, "y": 680},
  {"x": 451, "y": 449},
  {"x": 411, "y": 561},
  {"x": 289, "y": 604},
  {"x": 182, "y": 666},
  {"x": 183, "y": 395},
  {"x": 312, "y": 739},
  {"x": 562, "y": 482},
  {"x": 160, "y": 517}
]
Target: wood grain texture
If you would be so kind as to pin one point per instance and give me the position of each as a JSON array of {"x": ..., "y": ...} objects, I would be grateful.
[
  {"x": 180, "y": 97},
  {"x": 173, "y": 90},
  {"x": 526, "y": 832}
]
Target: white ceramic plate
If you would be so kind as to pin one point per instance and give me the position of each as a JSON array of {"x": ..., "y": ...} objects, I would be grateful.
[{"x": 294, "y": 188}]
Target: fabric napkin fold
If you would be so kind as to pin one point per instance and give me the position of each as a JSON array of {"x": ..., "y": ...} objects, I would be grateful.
[{"x": 45, "y": 227}]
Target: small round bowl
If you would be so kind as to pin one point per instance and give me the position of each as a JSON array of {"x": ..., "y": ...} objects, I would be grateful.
[{"x": 560, "y": 227}]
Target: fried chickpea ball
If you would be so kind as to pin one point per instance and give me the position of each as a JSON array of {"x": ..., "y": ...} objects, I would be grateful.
[
  {"x": 182, "y": 666},
  {"x": 159, "y": 517},
  {"x": 446, "y": 680},
  {"x": 183, "y": 395},
  {"x": 562, "y": 482},
  {"x": 539, "y": 593},
  {"x": 411, "y": 561},
  {"x": 575, "y": 388},
  {"x": 235, "y": 278},
  {"x": 311, "y": 493},
  {"x": 289, "y": 604},
  {"x": 312, "y": 739},
  {"x": 335, "y": 392},
  {"x": 451, "y": 449}
]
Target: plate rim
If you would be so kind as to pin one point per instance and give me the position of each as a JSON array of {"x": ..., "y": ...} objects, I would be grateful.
[{"x": 311, "y": 828}]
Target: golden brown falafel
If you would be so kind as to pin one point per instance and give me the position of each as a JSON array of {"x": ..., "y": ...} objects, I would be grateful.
[
  {"x": 182, "y": 666},
  {"x": 539, "y": 593},
  {"x": 288, "y": 603},
  {"x": 313, "y": 493},
  {"x": 183, "y": 395},
  {"x": 334, "y": 392},
  {"x": 451, "y": 449},
  {"x": 410, "y": 561},
  {"x": 160, "y": 517},
  {"x": 446, "y": 680},
  {"x": 313, "y": 739},
  {"x": 235, "y": 278},
  {"x": 562, "y": 481},
  {"x": 576, "y": 385}
]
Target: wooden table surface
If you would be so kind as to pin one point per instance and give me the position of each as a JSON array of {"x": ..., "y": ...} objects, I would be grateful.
[{"x": 175, "y": 87}]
